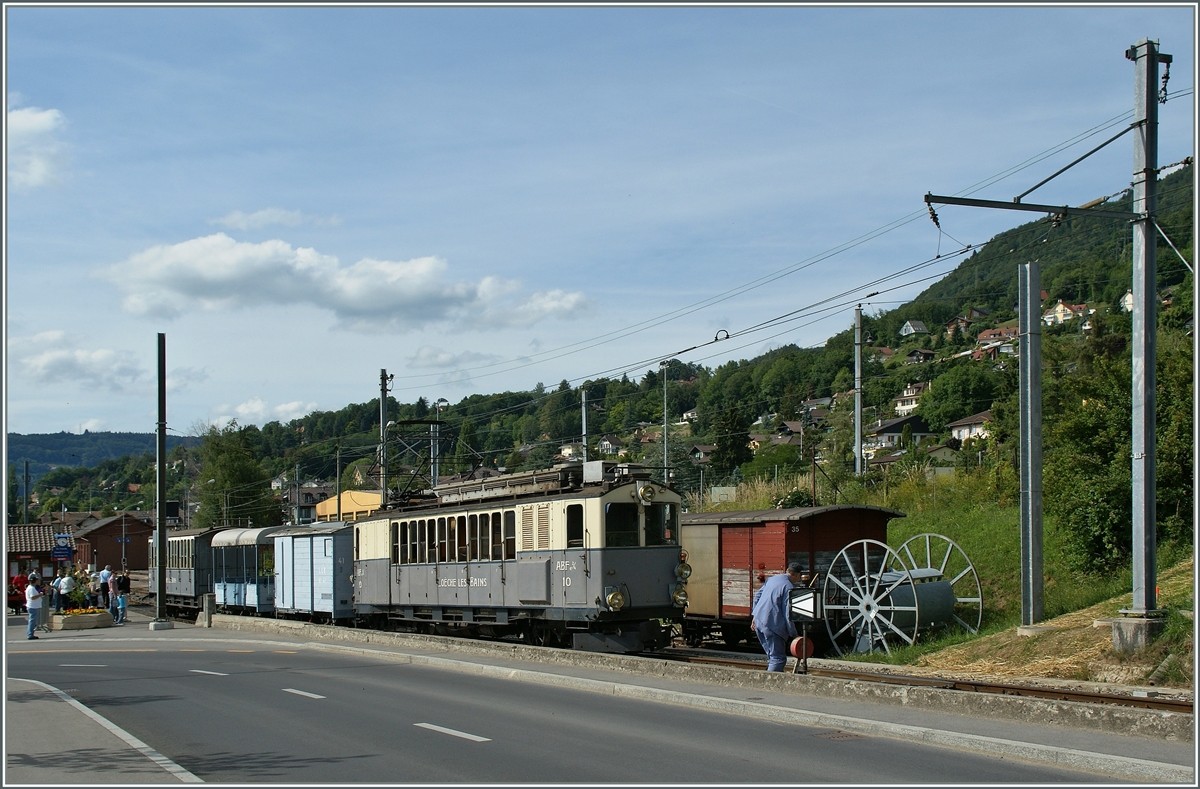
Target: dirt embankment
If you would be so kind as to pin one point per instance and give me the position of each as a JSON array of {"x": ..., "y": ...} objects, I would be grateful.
[{"x": 1078, "y": 648}]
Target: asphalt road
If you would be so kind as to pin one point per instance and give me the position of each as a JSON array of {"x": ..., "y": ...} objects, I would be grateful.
[{"x": 243, "y": 712}]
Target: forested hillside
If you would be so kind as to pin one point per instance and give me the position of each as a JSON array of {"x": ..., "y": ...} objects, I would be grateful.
[{"x": 1085, "y": 263}]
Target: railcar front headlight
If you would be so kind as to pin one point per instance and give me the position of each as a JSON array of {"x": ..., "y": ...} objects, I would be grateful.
[
  {"x": 683, "y": 571},
  {"x": 615, "y": 600},
  {"x": 679, "y": 596}
]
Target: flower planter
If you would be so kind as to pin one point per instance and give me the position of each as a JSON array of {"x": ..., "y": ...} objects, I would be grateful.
[{"x": 80, "y": 621}]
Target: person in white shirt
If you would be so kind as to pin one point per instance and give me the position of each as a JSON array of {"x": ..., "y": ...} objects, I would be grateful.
[{"x": 33, "y": 603}]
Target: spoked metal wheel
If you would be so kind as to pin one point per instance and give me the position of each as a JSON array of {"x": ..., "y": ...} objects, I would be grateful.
[
  {"x": 861, "y": 612},
  {"x": 934, "y": 551}
]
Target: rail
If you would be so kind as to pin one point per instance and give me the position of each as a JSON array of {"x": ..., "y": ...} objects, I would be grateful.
[{"x": 971, "y": 686}]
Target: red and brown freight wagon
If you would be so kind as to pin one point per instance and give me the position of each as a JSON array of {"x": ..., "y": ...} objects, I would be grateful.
[{"x": 733, "y": 553}]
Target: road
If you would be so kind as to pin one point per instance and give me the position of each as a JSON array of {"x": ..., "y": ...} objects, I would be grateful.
[{"x": 236, "y": 711}]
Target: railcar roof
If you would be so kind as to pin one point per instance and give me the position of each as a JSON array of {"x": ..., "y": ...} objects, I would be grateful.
[
  {"x": 792, "y": 514},
  {"x": 329, "y": 527},
  {"x": 233, "y": 537},
  {"x": 174, "y": 533}
]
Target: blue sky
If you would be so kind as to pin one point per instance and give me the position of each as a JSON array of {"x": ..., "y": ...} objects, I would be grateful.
[{"x": 299, "y": 197}]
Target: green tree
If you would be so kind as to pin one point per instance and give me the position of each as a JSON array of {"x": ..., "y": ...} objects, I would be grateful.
[
  {"x": 13, "y": 503},
  {"x": 239, "y": 490},
  {"x": 732, "y": 441},
  {"x": 961, "y": 391}
]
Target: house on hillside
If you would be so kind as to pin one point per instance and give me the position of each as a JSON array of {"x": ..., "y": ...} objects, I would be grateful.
[
  {"x": 960, "y": 323},
  {"x": 991, "y": 335},
  {"x": 691, "y": 416},
  {"x": 1127, "y": 301},
  {"x": 886, "y": 435},
  {"x": 913, "y": 327},
  {"x": 700, "y": 453},
  {"x": 880, "y": 353},
  {"x": 908, "y": 399},
  {"x": 1063, "y": 312},
  {"x": 919, "y": 356},
  {"x": 609, "y": 445},
  {"x": 974, "y": 426}
]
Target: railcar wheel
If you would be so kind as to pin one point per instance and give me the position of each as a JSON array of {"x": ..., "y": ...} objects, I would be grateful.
[
  {"x": 935, "y": 551},
  {"x": 860, "y": 612}
]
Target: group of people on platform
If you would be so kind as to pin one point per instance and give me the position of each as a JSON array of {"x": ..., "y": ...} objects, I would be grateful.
[{"x": 71, "y": 589}]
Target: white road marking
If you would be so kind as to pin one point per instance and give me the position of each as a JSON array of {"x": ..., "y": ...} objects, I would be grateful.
[
  {"x": 302, "y": 693},
  {"x": 82, "y": 665},
  {"x": 202, "y": 671},
  {"x": 452, "y": 732},
  {"x": 151, "y": 754}
]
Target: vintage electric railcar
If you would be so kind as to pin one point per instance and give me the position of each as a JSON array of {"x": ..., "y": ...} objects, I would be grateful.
[
  {"x": 733, "y": 553},
  {"x": 582, "y": 555}
]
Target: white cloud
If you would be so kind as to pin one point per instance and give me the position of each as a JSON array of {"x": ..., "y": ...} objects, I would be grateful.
[
  {"x": 218, "y": 273},
  {"x": 257, "y": 411},
  {"x": 92, "y": 425},
  {"x": 286, "y": 412},
  {"x": 240, "y": 220},
  {"x": 51, "y": 358},
  {"x": 431, "y": 357},
  {"x": 34, "y": 152}
]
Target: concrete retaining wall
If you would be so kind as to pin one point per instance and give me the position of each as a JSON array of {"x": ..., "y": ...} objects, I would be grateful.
[{"x": 1090, "y": 717}]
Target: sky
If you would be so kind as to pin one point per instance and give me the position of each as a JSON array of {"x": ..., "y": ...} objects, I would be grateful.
[{"x": 481, "y": 199}]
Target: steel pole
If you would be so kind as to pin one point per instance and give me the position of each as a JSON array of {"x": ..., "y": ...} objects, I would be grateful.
[
  {"x": 663, "y": 367},
  {"x": 383, "y": 438},
  {"x": 858, "y": 448},
  {"x": 160, "y": 493},
  {"x": 1146, "y": 56},
  {"x": 1030, "y": 396}
]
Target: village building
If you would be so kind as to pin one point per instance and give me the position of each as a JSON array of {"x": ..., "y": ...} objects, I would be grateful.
[
  {"x": 356, "y": 505},
  {"x": 909, "y": 398},
  {"x": 974, "y": 426}
]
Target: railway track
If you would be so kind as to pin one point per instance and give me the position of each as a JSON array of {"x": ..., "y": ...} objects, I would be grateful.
[{"x": 1058, "y": 694}]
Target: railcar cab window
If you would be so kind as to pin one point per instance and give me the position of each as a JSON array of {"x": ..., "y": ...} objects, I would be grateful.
[
  {"x": 621, "y": 526},
  {"x": 574, "y": 525},
  {"x": 662, "y": 524}
]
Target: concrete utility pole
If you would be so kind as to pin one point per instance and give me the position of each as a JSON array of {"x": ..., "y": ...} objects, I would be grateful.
[
  {"x": 338, "y": 484},
  {"x": 435, "y": 464},
  {"x": 160, "y": 493},
  {"x": 1030, "y": 396},
  {"x": 1146, "y": 56},
  {"x": 858, "y": 448},
  {"x": 584, "y": 393},
  {"x": 1143, "y": 615}
]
